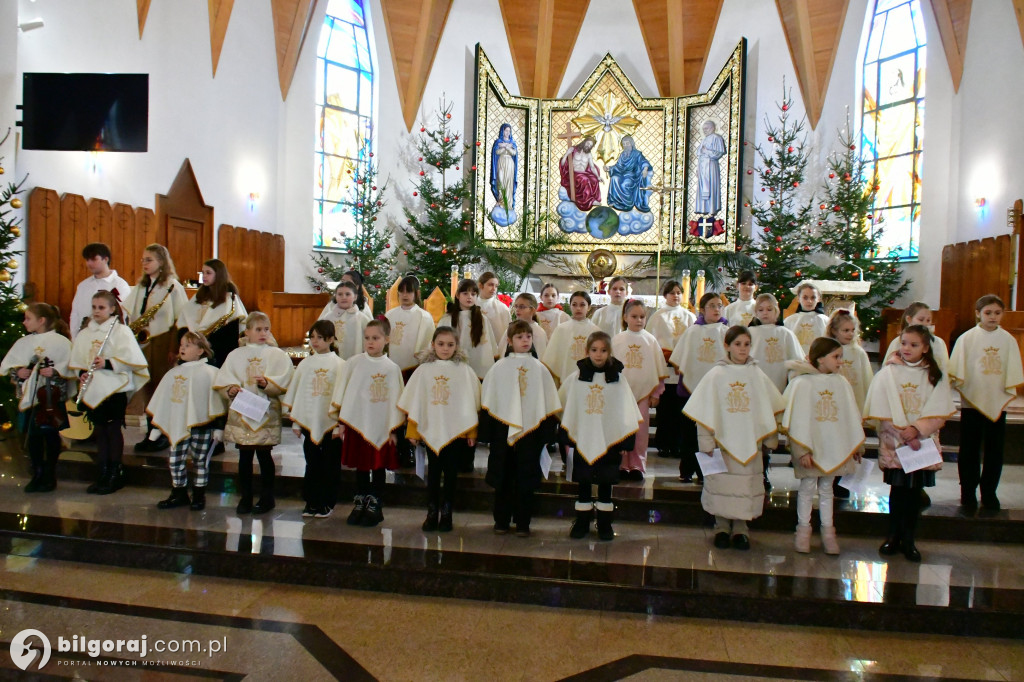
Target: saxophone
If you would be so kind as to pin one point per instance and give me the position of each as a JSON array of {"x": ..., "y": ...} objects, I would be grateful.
[
  {"x": 140, "y": 325},
  {"x": 221, "y": 321},
  {"x": 83, "y": 385}
]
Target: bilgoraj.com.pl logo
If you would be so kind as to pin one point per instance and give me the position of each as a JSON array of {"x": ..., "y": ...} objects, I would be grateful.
[
  {"x": 26, "y": 646},
  {"x": 30, "y": 648}
]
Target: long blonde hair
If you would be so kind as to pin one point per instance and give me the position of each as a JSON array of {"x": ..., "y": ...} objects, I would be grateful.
[{"x": 166, "y": 265}]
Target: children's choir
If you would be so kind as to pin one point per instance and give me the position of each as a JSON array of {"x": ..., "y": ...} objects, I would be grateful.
[{"x": 372, "y": 391}]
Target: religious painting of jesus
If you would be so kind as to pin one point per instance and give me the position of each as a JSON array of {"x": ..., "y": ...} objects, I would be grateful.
[{"x": 581, "y": 177}]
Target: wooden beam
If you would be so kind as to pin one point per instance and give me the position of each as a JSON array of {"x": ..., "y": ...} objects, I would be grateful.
[
  {"x": 291, "y": 25},
  {"x": 541, "y": 35},
  {"x": 813, "y": 29},
  {"x": 414, "y": 31},
  {"x": 678, "y": 36},
  {"x": 142, "y": 6},
  {"x": 220, "y": 14},
  {"x": 1018, "y": 9},
  {"x": 954, "y": 18}
]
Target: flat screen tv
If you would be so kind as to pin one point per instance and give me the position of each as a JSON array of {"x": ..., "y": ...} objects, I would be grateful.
[{"x": 85, "y": 111}]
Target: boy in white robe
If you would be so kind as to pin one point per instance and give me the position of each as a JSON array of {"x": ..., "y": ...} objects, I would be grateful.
[
  {"x": 412, "y": 327},
  {"x": 741, "y": 311},
  {"x": 667, "y": 325},
  {"x": 809, "y": 321}
]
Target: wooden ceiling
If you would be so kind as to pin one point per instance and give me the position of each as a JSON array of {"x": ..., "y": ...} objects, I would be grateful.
[
  {"x": 220, "y": 14},
  {"x": 541, "y": 35},
  {"x": 812, "y": 29},
  {"x": 414, "y": 31},
  {"x": 678, "y": 35},
  {"x": 292, "y": 19},
  {"x": 953, "y": 18},
  {"x": 1018, "y": 9},
  {"x": 142, "y": 7}
]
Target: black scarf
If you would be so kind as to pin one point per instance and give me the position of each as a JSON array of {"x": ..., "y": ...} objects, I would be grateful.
[{"x": 611, "y": 370}]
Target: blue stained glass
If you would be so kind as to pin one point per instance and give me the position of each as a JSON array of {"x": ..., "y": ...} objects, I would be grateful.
[
  {"x": 342, "y": 48},
  {"x": 899, "y": 33},
  {"x": 915, "y": 12},
  {"x": 875, "y": 37},
  {"x": 347, "y": 10},
  {"x": 886, "y": 5}
]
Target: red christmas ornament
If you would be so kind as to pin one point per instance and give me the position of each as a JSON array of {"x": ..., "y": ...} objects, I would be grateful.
[
  {"x": 447, "y": 115},
  {"x": 405, "y": 253},
  {"x": 846, "y": 177},
  {"x": 415, "y": 194},
  {"x": 762, "y": 189},
  {"x": 768, "y": 172},
  {"x": 828, "y": 243},
  {"x": 374, "y": 188},
  {"x": 771, "y": 139},
  {"x": 877, "y": 187},
  {"x": 421, "y": 158},
  {"x": 320, "y": 270},
  {"x": 799, "y": 274},
  {"x": 746, "y": 204},
  {"x": 444, "y": 251},
  {"x": 778, "y": 238},
  {"x": 750, "y": 172},
  {"x": 447, "y": 139},
  {"x": 371, "y": 154},
  {"x": 869, "y": 216},
  {"x": 423, "y": 130},
  {"x": 767, "y": 230},
  {"x": 387, "y": 246},
  {"x": 853, "y": 146},
  {"x": 831, "y": 175},
  {"x": 821, "y": 206},
  {"x": 477, "y": 144},
  {"x": 785, "y": 107},
  {"x": 366, "y": 272},
  {"x": 433, "y": 206},
  {"x": 891, "y": 302},
  {"x": 772, "y": 202},
  {"x": 778, "y": 249},
  {"x": 380, "y": 203},
  {"x": 422, "y": 173},
  {"x": 764, "y": 265},
  {"x": 360, "y": 204},
  {"x": 807, "y": 248},
  {"x": 456, "y": 168},
  {"x": 473, "y": 168},
  {"x": 796, "y": 184},
  {"x": 871, "y": 268},
  {"x": 789, "y": 149},
  {"x": 836, "y": 208}
]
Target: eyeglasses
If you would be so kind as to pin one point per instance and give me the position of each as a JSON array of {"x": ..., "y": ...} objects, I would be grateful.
[{"x": 524, "y": 307}]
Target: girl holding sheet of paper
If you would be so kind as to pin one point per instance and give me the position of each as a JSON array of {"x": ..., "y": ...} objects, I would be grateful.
[
  {"x": 735, "y": 407},
  {"x": 263, "y": 372},
  {"x": 823, "y": 422},
  {"x": 908, "y": 402}
]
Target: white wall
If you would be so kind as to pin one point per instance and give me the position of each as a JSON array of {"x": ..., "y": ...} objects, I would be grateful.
[{"x": 8, "y": 98}]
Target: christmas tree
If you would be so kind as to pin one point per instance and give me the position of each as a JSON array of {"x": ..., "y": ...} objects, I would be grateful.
[
  {"x": 11, "y": 305},
  {"x": 847, "y": 230},
  {"x": 368, "y": 250},
  {"x": 780, "y": 210},
  {"x": 440, "y": 233}
]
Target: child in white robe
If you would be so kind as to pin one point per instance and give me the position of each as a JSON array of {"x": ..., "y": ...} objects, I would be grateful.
[
  {"x": 366, "y": 405},
  {"x": 918, "y": 312},
  {"x": 348, "y": 320},
  {"x": 474, "y": 333},
  {"x": 525, "y": 309},
  {"x": 645, "y": 371},
  {"x": 699, "y": 349},
  {"x": 442, "y": 401},
  {"x": 568, "y": 343},
  {"x": 986, "y": 368},
  {"x": 108, "y": 349},
  {"x": 667, "y": 325},
  {"x": 856, "y": 367},
  {"x": 609, "y": 318},
  {"x": 735, "y": 407},
  {"x": 909, "y": 400},
  {"x": 823, "y": 423},
  {"x": 517, "y": 424},
  {"x": 599, "y": 422},
  {"x": 741, "y": 311},
  {"x": 266, "y": 371},
  {"x": 809, "y": 321},
  {"x": 190, "y": 414},
  {"x": 308, "y": 404},
  {"x": 497, "y": 313},
  {"x": 39, "y": 360},
  {"x": 550, "y": 313},
  {"x": 411, "y": 330}
]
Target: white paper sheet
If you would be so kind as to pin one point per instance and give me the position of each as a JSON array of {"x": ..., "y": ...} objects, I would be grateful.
[
  {"x": 250, "y": 405},
  {"x": 421, "y": 462},
  {"x": 569, "y": 455},
  {"x": 912, "y": 460},
  {"x": 856, "y": 481},
  {"x": 712, "y": 464},
  {"x": 545, "y": 462}
]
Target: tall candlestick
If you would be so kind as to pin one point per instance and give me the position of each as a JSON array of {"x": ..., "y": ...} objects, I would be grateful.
[
  {"x": 686, "y": 288},
  {"x": 455, "y": 280},
  {"x": 468, "y": 273},
  {"x": 699, "y": 294}
]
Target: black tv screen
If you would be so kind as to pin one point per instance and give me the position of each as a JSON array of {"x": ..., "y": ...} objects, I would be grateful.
[{"x": 85, "y": 111}]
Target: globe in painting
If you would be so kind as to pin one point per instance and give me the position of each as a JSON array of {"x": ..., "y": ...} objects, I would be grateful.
[{"x": 602, "y": 222}]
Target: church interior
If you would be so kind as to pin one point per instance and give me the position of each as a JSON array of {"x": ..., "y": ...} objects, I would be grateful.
[{"x": 574, "y": 140}]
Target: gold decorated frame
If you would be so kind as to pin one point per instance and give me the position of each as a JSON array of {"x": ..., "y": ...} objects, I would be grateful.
[{"x": 669, "y": 124}]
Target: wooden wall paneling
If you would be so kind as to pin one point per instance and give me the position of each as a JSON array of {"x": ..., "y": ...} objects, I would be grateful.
[
  {"x": 44, "y": 236},
  {"x": 184, "y": 241},
  {"x": 74, "y": 219},
  {"x": 249, "y": 256},
  {"x": 183, "y": 214},
  {"x": 123, "y": 235},
  {"x": 101, "y": 229},
  {"x": 277, "y": 262},
  {"x": 1003, "y": 255},
  {"x": 224, "y": 240},
  {"x": 147, "y": 229},
  {"x": 266, "y": 274},
  {"x": 290, "y": 314}
]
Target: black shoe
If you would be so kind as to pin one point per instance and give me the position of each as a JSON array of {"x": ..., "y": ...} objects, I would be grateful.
[
  {"x": 33, "y": 485},
  {"x": 722, "y": 540},
  {"x": 924, "y": 501},
  {"x": 581, "y": 526},
  {"x": 890, "y": 547},
  {"x": 767, "y": 484},
  {"x": 911, "y": 553},
  {"x": 636, "y": 475},
  {"x": 355, "y": 517},
  {"x": 218, "y": 449},
  {"x": 444, "y": 522},
  {"x": 177, "y": 498},
  {"x": 244, "y": 506},
  {"x": 148, "y": 445},
  {"x": 605, "y": 532},
  {"x": 522, "y": 531},
  {"x": 502, "y": 528},
  {"x": 431, "y": 522},
  {"x": 990, "y": 502},
  {"x": 309, "y": 511},
  {"x": 101, "y": 476},
  {"x": 686, "y": 479},
  {"x": 48, "y": 481},
  {"x": 839, "y": 492},
  {"x": 374, "y": 513},
  {"x": 113, "y": 482},
  {"x": 264, "y": 505},
  {"x": 740, "y": 541},
  {"x": 968, "y": 500},
  {"x": 323, "y": 512},
  {"x": 198, "y": 499}
]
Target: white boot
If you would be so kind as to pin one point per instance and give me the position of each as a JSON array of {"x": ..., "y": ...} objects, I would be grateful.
[
  {"x": 802, "y": 541},
  {"x": 828, "y": 540}
]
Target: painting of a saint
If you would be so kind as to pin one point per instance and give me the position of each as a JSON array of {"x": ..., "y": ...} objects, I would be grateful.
[
  {"x": 628, "y": 177},
  {"x": 709, "y": 175},
  {"x": 581, "y": 177},
  {"x": 504, "y": 181}
]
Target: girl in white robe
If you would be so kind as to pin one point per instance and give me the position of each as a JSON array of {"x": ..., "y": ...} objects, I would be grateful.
[
  {"x": 699, "y": 349},
  {"x": 442, "y": 402},
  {"x": 809, "y": 321},
  {"x": 366, "y": 405},
  {"x": 266, "y": 371},
  {"x": 519, "y": 402},
  {"x": 609, "y": 318},
  {"x": 497, "y": 313},
  {"x": 412, "y": 327},
  {"x": 645, "y": 372},
  {"x": 474, "y": 334},
  {"x": 856, "y": 367},
  {"x": 190, "y": 414},
  {"x": 599, "y": 422},
  {"x": 735, "y": 407},
  {"x": 39, "y": 360},
  {"x": 823, "y": 423},
  {"x": 667, "y": 325},
  {"x": 742, "y": 310},
  {"x": 216, "y": 311},
  {"x": 550, "y": 313},
  {"x": 568, "y": 343},
  {"x": 986, "y": 368},
  {"x": 119, "y": 370},
  {"x": 918, "y": 312},
  {"x": 348, "y": 321},
  {"x": 525, "y": 307},
  {"x": 362, "y": 303},
  {"x": 909, "y": 400},
  {"x": 308, "y": 402}
]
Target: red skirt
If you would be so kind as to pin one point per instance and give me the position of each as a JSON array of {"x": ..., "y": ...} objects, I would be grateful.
[{"x": 358, "y": 454}]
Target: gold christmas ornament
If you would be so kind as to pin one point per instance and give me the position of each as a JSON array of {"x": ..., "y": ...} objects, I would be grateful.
[
  {"x": 15, "y": 202},
  {"x": 21, "y": 307},
  {"x": 5, "y": 276},
  {"x": 12, "y": 264},
  {"x": 7, "y": 426},
  {"x": 16, "y": 231},
  {"x": 2, "y": 171}
]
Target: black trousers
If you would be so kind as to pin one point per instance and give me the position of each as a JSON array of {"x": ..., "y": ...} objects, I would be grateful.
[
  {"x": 245, "y": 455},
  {"x": 43, "y": 446},
  {"x": 323, "y": 470},
  {"x": 688, "y": 455},
  {"x": 904, "y": 510},
  {"x": 107, "y": 420},
  {"x": 515, "y": 487},
  {"x": 444, "y": 464},
  {"x": 669, "y": 436},
  {"x": 975, "y": 429}
]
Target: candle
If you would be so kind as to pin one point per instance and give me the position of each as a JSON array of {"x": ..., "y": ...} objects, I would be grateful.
[
  {"x": 468, "y": 274},
  {"x": 686, "y": 288},
  {"x": 700, "y": 287},
  {"x": 455, "y": 280}
]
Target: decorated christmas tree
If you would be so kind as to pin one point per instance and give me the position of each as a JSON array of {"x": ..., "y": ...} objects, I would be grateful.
[
  {"x": 847, "y": 230},
  {"x": 11, "y": 305},
  {"x": 440, "y": 232},
  {"x": 369, "y": 249},
  {"x": 780, "y": 209}
]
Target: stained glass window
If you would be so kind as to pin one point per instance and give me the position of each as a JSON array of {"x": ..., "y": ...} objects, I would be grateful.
[
  {"x": 893, "y": 122},
  {"x": 344, "y": 117}
]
